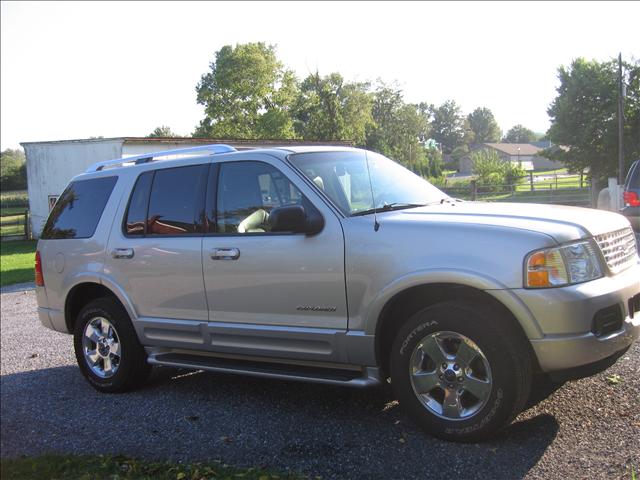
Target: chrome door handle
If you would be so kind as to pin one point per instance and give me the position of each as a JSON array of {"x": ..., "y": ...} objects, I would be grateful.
[
  {"x": 122, "y": 253},
  {"x": 225, "y": 254}
]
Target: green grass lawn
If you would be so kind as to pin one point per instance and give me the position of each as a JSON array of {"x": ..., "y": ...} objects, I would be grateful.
[
  {"x": 16, "y": 262},
  {"x": 550, "y": 172},
  {"x": 103, "y": 467},
  {"x": 566, "y": 196}
]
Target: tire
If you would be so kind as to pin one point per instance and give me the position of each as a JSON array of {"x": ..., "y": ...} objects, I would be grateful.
[
  {"x": 115, "y": 361},
  {"x": 486, "y": 382},
  {"x": 542, "y": 387}
]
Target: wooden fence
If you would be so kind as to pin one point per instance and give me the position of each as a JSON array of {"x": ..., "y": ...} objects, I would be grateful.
[{"x": 15, "y": 226}]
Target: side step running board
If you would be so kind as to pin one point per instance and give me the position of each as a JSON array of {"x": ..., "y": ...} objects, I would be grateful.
[{"x": 333, "y": 376}]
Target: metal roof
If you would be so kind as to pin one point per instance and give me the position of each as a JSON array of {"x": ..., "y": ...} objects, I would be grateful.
[{"x": 242, "y": 143}]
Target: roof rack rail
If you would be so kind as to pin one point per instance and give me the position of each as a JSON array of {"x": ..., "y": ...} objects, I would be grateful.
[{"x": 149, "y": 157}]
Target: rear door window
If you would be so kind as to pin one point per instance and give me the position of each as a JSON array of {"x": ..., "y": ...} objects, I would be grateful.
[
  {"x": 176, "y": 203},
  {"x": 78, "y": 210}
]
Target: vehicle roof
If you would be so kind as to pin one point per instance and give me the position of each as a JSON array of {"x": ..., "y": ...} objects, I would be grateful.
[
  {"x": 316, "y": 148},
  {"x": 280, "y": 152}
]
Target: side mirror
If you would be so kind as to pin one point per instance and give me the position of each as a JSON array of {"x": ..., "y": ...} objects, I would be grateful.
[{"x": 294, "y": 218}]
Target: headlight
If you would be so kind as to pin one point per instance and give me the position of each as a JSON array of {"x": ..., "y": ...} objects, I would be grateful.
[{"x": 559, "y": 266}]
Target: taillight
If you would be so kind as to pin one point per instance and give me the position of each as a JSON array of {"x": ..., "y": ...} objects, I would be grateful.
[
  {"x": 38, "y": 268},
  {"x": 631, "y": 199}
]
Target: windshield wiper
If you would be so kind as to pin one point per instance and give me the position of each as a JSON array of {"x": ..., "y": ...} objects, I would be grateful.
[{"x": 388, "y": 207}]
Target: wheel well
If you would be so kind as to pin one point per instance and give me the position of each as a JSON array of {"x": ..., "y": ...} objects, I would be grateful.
[
  {"x": 410, "y": 301},
  {"x": 81, "y": 295}
]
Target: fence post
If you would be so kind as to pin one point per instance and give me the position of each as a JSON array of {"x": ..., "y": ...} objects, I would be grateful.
[
  {"x": 27, "y": 226},
  {"x": 531, "y": 179},
  {"x": 615, "y": 194},
  {"x": 474, "y": 189}
]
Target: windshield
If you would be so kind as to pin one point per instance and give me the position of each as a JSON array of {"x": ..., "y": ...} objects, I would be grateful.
[{"x": 344, "y": 178}]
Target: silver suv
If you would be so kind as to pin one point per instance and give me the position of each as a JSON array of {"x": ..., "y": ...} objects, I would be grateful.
[{"x": 338, "y": 266}]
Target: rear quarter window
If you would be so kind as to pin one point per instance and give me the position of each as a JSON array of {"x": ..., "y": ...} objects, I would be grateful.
[{"x": 78, "y": 210}]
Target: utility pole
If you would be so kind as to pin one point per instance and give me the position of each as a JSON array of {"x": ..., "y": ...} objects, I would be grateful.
[{"x": 620, "y": 123}]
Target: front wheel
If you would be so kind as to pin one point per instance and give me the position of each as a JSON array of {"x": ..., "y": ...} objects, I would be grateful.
[{"x": 460, "y": 370}]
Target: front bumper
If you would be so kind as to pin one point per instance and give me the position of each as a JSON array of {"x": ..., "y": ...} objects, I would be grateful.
[{"x": 565, "y": 317}]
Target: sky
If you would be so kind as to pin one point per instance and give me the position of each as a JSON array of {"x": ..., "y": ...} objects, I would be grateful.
[{"x": 81, "y": 69}]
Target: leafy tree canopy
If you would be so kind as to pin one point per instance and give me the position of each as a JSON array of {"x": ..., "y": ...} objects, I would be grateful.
[
  {"x": 328, "y": 108},
  {"x": 247, "y": 93},
  {"x": 484, "y": 126},
  {"x": 520, "y": 134},
  {"x": 401, "y": 130},
  {"x": 584, "y": 116},
  {"x": 448, "y": 126}
]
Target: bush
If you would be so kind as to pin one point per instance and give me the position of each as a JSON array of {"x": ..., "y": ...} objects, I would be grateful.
[
  {"x": 428, "y": 163},
  {"x": 492, "y": 171}
]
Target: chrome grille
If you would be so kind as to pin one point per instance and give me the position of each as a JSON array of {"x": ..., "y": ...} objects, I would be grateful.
[{"x": 618, "y": 249}]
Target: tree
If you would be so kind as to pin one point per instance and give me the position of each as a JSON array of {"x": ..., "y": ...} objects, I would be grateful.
[
  {"x": 400, "y": 130},
  {"x": 448, "y": 126},
  {"x": 13, "y": 170},
  {"x": 584, "y": 116},
  {"x": 328, "y": 108},
  {"x": 484, "y": 126},
  {"x": 519, "y": 134},
  {"x": 162, "y": 131},
  {"x": 247, "y": 93}
]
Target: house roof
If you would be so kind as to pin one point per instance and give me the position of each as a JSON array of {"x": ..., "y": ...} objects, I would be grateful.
[{"x": 515, "y": 149}]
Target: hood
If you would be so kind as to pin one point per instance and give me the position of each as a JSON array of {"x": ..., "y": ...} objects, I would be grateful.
[{"x": 562, "y": 223}]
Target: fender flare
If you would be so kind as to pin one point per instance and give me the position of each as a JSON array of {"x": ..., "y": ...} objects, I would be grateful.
[
  {"x": 467, "y": 278},
  {"x": 106, "y": 282}
]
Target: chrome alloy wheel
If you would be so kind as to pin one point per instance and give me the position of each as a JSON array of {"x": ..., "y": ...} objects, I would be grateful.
[
  {"x": 450, "y": 375},
  {"x": 101, "y": 347}
]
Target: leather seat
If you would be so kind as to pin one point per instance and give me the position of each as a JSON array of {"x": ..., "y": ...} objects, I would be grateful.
[{"x": 254, "y": 222}]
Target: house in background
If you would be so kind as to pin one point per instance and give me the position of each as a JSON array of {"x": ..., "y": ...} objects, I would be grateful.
[
  {"x": 50, "y": 165},
  {"x": 525, "y": 154}
]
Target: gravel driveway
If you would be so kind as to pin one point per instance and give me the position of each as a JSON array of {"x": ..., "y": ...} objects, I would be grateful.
[{"x": 586, "y": 429}]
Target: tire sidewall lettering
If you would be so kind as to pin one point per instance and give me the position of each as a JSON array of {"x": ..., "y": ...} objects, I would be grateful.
[
  {"x": 484, "y": 420},
  {"x": 408, "y": 339}
]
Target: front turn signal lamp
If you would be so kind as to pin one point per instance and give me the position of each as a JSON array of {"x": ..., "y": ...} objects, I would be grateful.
[{"x": 560, "y": 266}]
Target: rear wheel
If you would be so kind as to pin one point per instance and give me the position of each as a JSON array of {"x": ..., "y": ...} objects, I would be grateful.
[
  {"x": 460, "y": 370},
  {"x": 107, "y": 348}
]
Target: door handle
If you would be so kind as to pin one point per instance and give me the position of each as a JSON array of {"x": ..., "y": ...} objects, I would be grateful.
[
  {"x": 122, "y": 253},
  {"x": 225, "y": 254}
]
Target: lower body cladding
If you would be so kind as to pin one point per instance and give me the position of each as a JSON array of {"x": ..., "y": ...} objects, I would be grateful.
[{"x": 308, "y": 354}]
